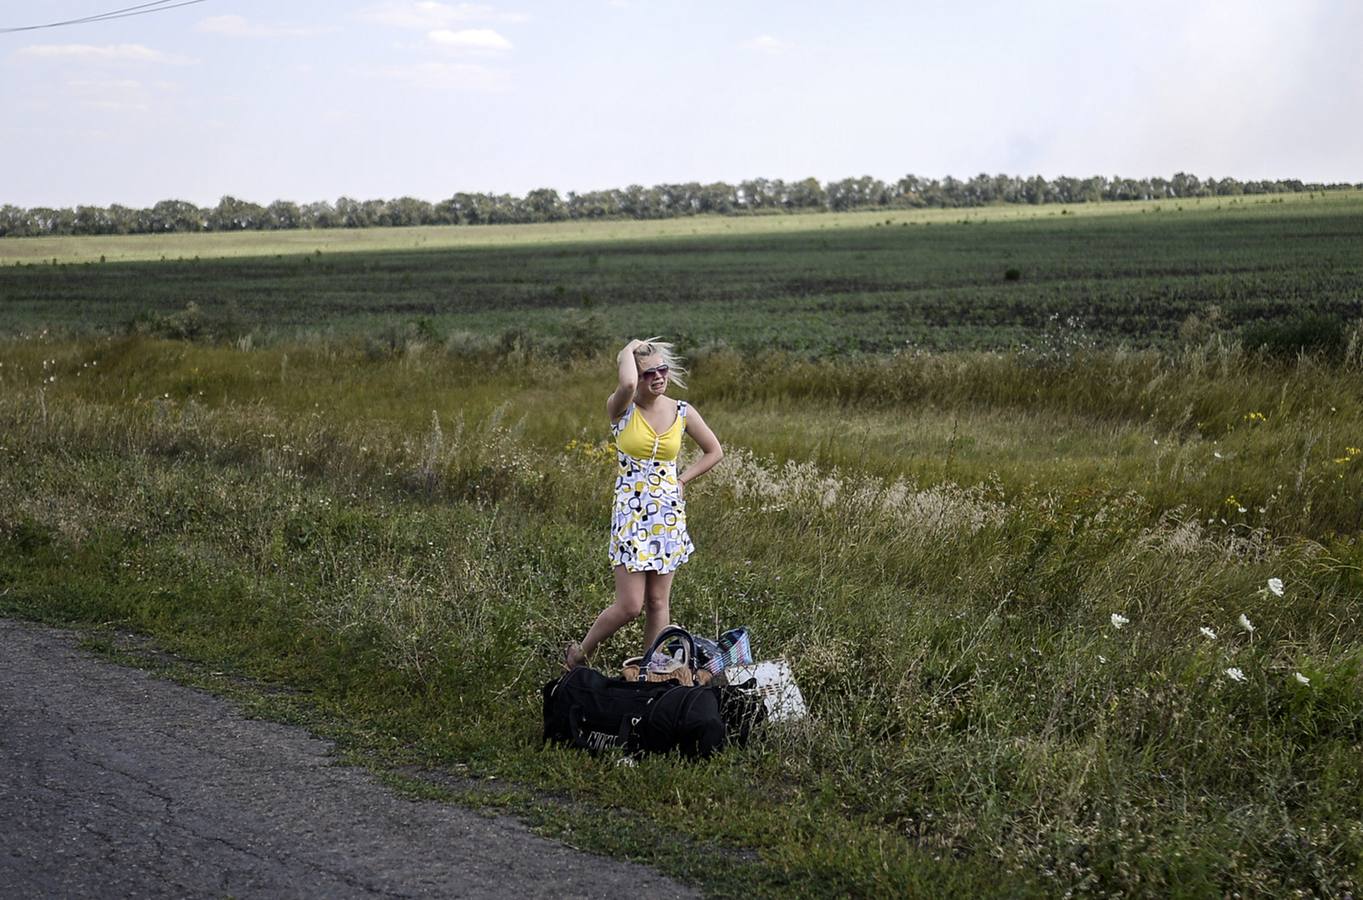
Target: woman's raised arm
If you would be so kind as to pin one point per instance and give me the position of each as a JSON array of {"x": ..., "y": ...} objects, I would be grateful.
[{"x": 619, "y": 401}]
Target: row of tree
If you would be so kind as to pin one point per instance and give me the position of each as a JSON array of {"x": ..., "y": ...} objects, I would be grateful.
[{"x": 661, "y": 201}]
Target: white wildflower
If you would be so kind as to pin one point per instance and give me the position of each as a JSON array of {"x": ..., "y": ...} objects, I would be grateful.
[
  {"x": 1301, "y": 679},
  {"x": 1234, "y": 674},
  {"x": 1241, "y": 509},
  {"x": 1118, "y": 620},
  {"x": 1208, "y": 633},
  {"x": 1246, "y": 624},
  {"x": 1276, "y": 586},
  {"x": 1102, "y": 658},
  {"x": 1217, "y": 454}
]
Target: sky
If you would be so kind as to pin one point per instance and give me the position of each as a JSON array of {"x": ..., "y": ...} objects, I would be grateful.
[{"x": 311, "y": 100}]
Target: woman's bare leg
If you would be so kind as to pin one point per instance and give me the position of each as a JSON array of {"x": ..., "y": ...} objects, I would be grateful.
[
  {"x": 629, "y": 602},
  {"x": 657, "y": 605}
]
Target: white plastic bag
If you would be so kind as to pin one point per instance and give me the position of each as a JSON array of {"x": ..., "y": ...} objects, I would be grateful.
[{"x": 771, "y": 679}]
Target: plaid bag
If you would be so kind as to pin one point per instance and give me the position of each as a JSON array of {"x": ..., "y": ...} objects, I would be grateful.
[{"x": 734, "y": 648}]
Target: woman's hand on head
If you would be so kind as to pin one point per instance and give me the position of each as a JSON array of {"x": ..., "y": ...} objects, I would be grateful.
[{"x": 627, "y": 368}]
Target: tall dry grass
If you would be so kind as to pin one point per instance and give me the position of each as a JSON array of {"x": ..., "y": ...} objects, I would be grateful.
[{"x": 1080, "y": 682}]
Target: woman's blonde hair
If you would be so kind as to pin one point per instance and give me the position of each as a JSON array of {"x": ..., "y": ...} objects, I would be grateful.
[{"x": 676, "y": 372}]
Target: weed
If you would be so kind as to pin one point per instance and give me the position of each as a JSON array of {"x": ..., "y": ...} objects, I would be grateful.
[{"x": 409, "y": 539}]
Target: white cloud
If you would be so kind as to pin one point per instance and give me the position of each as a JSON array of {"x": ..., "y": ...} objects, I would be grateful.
[
  {"x": 86, "y": 84},
  {"x": 105, "y": 53},
  {"x": 470, "y": 39},
  {"x": 116, "y": 106},
  {"x": 115, "y": 95},
  {"x": 238, "y": 26},
  {"x": 766, "y": 43},
  {"x": 441, "y": 76},
  {"x": 430, "y": 15}
]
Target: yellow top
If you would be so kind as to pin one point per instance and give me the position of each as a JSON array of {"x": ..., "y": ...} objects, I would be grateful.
[{"x": 638, "y": 439}]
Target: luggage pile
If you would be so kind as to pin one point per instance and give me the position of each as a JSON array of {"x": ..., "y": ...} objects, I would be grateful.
[{"x": 686, "y": 693}]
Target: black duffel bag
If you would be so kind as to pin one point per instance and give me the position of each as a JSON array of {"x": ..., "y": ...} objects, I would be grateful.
[{"x": 586, "y": 709}]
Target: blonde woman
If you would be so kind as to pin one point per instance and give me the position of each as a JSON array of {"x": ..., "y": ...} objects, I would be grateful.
[{"x": 648, "y": 539}]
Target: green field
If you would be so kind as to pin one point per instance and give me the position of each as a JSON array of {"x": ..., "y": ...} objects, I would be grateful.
[
  {"x": 1129, "y": 274},
  {"x": 1023, "y": 579},
  {"x": 132, "y": 248}
]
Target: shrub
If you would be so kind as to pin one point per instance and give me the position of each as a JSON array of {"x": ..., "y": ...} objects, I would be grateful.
[
  {"x": 1313, "y": 334},
  {"x": 583, "y": 335},
  {"x": 188, "y": 324}
]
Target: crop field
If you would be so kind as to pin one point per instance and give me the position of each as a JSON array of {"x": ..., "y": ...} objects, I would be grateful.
[
  {"x": 1131, "y": 274},
  {"x": 1068, "y": 565}
]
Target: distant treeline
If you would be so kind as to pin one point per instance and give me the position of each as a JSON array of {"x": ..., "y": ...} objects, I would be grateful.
[{"x": 662, "y": 201}]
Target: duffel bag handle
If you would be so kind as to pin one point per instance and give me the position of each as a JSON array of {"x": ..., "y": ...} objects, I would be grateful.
[{"x": 667, "y": 634}]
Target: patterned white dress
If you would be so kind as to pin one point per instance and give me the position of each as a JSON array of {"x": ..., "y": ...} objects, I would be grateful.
[{"x": 648, "y": 519}]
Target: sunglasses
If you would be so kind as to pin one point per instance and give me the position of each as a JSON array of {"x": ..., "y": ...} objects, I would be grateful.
[{"x": 660, "y": 371}]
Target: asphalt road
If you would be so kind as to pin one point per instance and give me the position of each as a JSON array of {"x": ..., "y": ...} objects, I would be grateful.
[{"x": 114, "y": 783}]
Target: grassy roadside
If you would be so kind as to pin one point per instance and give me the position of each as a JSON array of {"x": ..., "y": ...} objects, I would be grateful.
[
  {"x": 394, "y": 663},
  {"x": 555, "y": 814},
  {"x": 982, "y": 724}
]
